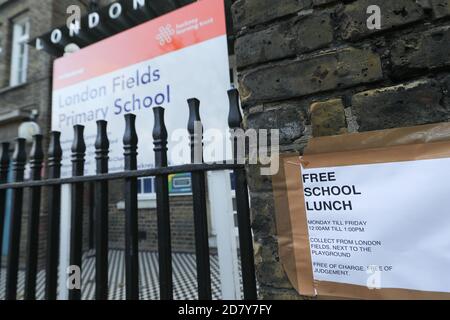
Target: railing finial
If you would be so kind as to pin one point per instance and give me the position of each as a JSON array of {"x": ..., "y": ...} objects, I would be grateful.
[
  {"x": 55, "y": 151},
  {"x": 130, "y": 142},
  {"x": 130, "y": 137},
  {"x": 159, "y": 129},
  {"x": 4, "y": 157},
  {"x": 102, "y": 141},
  {"x": 37, "y": 151},
  {"x": 234, "y": 116},
  {"x": 160, "y": 137},
  {"x": 78, "y": 146},
  {"x": 194, "y": 114},
  {"x": 36, "y": 156},
  {"x": 20, "y": 155}
]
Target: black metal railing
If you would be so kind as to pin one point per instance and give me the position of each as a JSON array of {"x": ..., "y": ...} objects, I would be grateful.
[{"x": 161, "y": 171}]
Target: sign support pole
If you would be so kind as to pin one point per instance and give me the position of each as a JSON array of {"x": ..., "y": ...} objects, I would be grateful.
[
  {"x": 63, "y": 293},
  {"x": 220, "y": 199}
]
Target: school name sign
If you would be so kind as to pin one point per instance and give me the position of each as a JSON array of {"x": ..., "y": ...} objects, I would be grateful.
[
  {"x": 163, "y": 62},
  {"x": 115, "y": 11},
  {"x": 119, "y": 86}
]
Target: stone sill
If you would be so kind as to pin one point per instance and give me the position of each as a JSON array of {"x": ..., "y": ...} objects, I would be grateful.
[
  {"x": 14, "y": 116},
  {"x": 12, "y": 88},
  {"x": 148, "y": 201}
]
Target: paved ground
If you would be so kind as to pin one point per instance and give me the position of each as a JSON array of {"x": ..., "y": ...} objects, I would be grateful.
[{"x": 184, "y": 277}]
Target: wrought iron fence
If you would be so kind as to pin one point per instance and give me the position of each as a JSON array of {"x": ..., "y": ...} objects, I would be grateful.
[{"x": 101, "y": 180}]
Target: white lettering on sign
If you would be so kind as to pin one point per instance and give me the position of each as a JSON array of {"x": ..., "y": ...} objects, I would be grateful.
[
  {"x": 73, "y": 21},
  {"x": 115, "y": 11}
]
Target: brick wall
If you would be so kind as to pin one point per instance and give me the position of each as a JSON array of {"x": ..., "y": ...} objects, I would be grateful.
[
  {"x": 182, "y": 226},
  {"x": 313, "y": 68},
  {"x": 36, "y": 92}
]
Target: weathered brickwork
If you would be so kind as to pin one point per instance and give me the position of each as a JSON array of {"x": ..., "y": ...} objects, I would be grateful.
[
  {"x": 249, "y": 13},
  {"x": 340, "y": 68},
  {"x": 313, "y": 68},
  {"x": 441, "y": 8},
  {"x": 418, "y": 102},
  {"x": 427, "y": 50},
  {"x": 284, "y": 39},
  {"x": 353, "y": 17},
  {"x": 328, "y": 118}
]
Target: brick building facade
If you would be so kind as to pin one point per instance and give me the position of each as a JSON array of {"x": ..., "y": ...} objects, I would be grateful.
[
  {"x": 313, "y": 68},
  {"x": 25, "y": 77}
]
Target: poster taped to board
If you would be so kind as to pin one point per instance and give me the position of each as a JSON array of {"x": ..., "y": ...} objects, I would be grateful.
[{"x": 367, "y": 215}]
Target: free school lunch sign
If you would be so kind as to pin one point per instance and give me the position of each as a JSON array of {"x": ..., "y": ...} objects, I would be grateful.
[{"x": 162, "y": 62}]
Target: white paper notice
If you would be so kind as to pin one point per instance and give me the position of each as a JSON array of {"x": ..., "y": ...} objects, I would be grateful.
[{"x": 381, "y": 225}]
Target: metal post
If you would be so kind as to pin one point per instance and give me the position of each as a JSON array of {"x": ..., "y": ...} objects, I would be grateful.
[
  {"x": 76, "y": 225},
  {"x": 130, "y": 141},
  {"x": 243, "y": 211},
  {"x": 36, "y": 160},
  {"x": 199, "y": 198},
  {"x": 101, "y": 213},
  {"x": 221, "y": 206},
  {"x": 4, "y": 168},
  {"x": 91, "y": 209},
  {"x": 162, "y": 209},
  {"x": 19, "y": 161},
  {"x": 54, "y": 217}
]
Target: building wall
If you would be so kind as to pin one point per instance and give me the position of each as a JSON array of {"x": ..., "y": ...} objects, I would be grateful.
[
  {"x": 313, "y": 68},
  {"x": 35, "y": 93},
  {"x": 182, "y": 226},
  {"x": 16, "y": 103}
]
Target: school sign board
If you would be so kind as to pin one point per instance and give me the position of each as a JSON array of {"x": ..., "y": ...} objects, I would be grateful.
[
  {"x": 162, "y": 62},
  {"x": 368, "y": 215}
]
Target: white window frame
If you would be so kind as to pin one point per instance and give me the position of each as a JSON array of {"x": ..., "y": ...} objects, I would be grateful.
[
  {"x": 146, "y": 196},
  {"x": 19, "y": 69}
]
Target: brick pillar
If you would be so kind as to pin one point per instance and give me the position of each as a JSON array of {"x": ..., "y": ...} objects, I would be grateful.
[{"x": 312, "y": 67}]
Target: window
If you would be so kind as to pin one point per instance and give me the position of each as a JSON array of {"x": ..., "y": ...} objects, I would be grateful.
[
  {"x": 146, "y": 186},
  {"x": 19, "y": 58},
  {"x": 179, "y": 184}
]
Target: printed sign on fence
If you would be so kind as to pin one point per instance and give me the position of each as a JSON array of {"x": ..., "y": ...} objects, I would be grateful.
[
  {"x": 370, "y": 221},
  {"x": 162, "y": 62}
]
